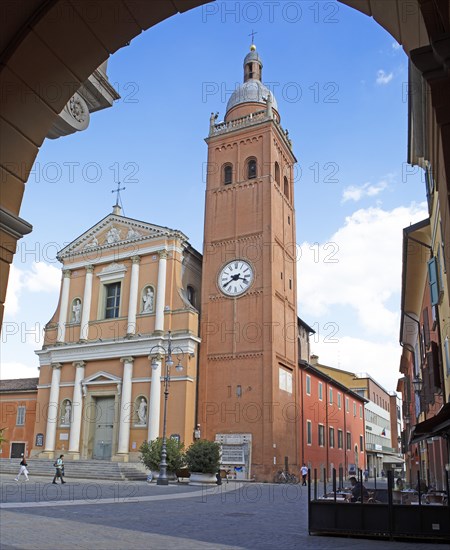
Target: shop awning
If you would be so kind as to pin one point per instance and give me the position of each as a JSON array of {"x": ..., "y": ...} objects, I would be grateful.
[
  {"x": 436, "y": 426},
  {"x": 392, "y": 460}
]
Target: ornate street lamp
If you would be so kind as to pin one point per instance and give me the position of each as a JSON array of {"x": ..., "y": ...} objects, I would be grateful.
[
  {"x": 417, "y": 383},
  {"x": 162, "y": 478}
]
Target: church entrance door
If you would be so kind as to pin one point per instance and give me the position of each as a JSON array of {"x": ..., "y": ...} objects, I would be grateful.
[{"x": 104, "y": 423}]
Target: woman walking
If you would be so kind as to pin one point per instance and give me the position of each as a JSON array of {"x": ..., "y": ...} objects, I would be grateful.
[
  {"x": 23, "y": 470},
  {"x": 59, "y": 465}
]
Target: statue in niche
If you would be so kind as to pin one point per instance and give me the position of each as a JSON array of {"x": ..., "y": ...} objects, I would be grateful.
[
  {"x": 67, "y": 413},
  {"x": 76, "y": 311},
  {"x": 148, "y": 299},
  {"x": 113, "y": 235},
  {"x": 142, "y": 411},
  {"x": 133, "y": 234}
]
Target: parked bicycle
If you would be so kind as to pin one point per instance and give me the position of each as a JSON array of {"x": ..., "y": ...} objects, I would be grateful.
[{"x": 285, "y": 477}]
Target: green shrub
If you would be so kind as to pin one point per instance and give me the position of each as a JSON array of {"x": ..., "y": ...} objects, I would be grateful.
[
  {"x": 203, "y": 456},
  {"x": 151, "y": 454}
]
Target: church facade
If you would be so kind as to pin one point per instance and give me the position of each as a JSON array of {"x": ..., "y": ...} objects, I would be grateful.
[{"x": 125, "y": 284}]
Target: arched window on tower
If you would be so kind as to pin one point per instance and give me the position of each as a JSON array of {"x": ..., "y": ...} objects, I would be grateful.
[
  {"x": 286, "y": 186},
  {"x": 251, "y": 169},
  {"x": 227, "y": 174},
  {"x": 277, "y": 173}
]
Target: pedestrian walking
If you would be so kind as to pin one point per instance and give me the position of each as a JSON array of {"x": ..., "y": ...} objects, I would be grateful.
[
  {"x": 59, "y": 465},
  {"x": 304, "y": 472},
  {"x": 23, "y": 470}
]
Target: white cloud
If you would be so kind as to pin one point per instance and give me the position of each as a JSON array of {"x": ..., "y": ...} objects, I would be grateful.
[
  {"x": 356, "y": 193},
  {"x": 17, "y": 370},
  {"x": 13, "y": 291},
  {"x": 380, "y": 360},
  {"x": 363, "y": 274},
  {"x": 383, "y": 78},
  {"x": 40, "y": 277},
  {"x": 396, "y": 46}
]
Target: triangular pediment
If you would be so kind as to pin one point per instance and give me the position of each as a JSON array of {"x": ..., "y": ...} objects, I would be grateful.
[
  {"x": 112, "y": 231},
  {"x": 101, "y": 376}
]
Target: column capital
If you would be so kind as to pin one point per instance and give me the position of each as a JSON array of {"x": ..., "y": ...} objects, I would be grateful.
[
  {"x": 79, "y": 364},
  {"x": 158, "y": 356},
  {"x": 67, "y": 273},
  {"x": 135, "y": 259},
  {"x": 128, "y": 359},
  {"x": 56, "y": 366},
  {"x": 90, "y": 269},
  {"x": 163, "y": 254}
]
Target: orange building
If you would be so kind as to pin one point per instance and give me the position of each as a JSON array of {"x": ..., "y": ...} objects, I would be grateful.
[
  {"x": 425, "y": 434},
  {"x": 248, "y": 388},
  {"x": 333, "y": 418},
  {"x": 125, "y": 284},
  {"x": 18, "y": 414},
  {"x": 333, "y": 424}
]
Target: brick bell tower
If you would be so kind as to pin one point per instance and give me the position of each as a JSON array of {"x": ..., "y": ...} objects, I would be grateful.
[{"x": 248, "y": 383}]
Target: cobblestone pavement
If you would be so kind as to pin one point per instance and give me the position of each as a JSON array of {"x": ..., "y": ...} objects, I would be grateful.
[{"x": 137, "y": 515}]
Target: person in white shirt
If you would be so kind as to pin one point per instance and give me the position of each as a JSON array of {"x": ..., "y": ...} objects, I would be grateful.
[
  {"x": 304, "y": 472},
  {"x": 23, "y": 470}
]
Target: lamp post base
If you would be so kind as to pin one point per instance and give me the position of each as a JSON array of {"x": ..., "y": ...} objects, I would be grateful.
[{"x": 163, "y": 481}]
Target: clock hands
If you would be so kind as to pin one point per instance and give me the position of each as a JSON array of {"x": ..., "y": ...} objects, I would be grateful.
[{"x": 235, "y": 278}]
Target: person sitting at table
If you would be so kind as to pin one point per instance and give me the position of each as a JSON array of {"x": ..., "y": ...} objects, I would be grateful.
[
  {"x": 358, "y": 489},
  {"x": 400, "y": 484},
  {"x": 422, "y": 488}
]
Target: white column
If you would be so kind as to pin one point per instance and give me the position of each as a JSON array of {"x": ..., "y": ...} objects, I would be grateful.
[
  {"x": 64, "y": 305},
  {"x": 155, "y": 402},
  {"x": 85, "y": 312},
  {"x": 161, "y": 291},
  {"x": 53, "y": 408},
  {"x": 77, "y": 408},
  {"x": 132, "y": 305},
  {"x": 126, "y": 406}
]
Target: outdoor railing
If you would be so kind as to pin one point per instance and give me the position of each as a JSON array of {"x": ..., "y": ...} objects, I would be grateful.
[{"x": 378, "y": 512}]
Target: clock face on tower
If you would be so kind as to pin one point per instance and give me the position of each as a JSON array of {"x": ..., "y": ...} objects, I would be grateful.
[{"x": 235, "y": 278}]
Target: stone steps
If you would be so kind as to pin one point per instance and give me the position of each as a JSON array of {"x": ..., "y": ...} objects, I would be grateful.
[{"x": 81, "y": 469}]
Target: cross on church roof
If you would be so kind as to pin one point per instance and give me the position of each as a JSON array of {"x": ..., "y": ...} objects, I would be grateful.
[
  {"x": 118, "y": 190},
  {"x": 252, "y": 34}
]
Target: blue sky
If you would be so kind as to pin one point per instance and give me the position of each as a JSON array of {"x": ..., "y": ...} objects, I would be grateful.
[{"x": 340, "y": 81}]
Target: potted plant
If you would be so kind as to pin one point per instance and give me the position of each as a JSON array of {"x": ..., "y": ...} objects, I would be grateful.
[
  {"x": 151, "y": 456},
  {"x": 203, "y": 460}
]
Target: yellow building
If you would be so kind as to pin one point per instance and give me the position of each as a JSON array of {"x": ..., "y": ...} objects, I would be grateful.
[{"x": 125, "y": 284}]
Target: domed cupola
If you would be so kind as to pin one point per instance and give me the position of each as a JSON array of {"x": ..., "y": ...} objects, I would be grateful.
[{"x": 252, "y": 91}]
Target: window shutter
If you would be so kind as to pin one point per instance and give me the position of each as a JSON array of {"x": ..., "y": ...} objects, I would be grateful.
[
  {"x": 439, "y": 272},
  {"x": 426, "y": 328},
  {"x": 436, "y": 365},
  {"x": 447, "y": 355},
  {"x": 433, "y": 281}
]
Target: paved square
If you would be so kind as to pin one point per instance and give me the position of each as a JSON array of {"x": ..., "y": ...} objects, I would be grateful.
[{"x": 138, "y": 515}]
